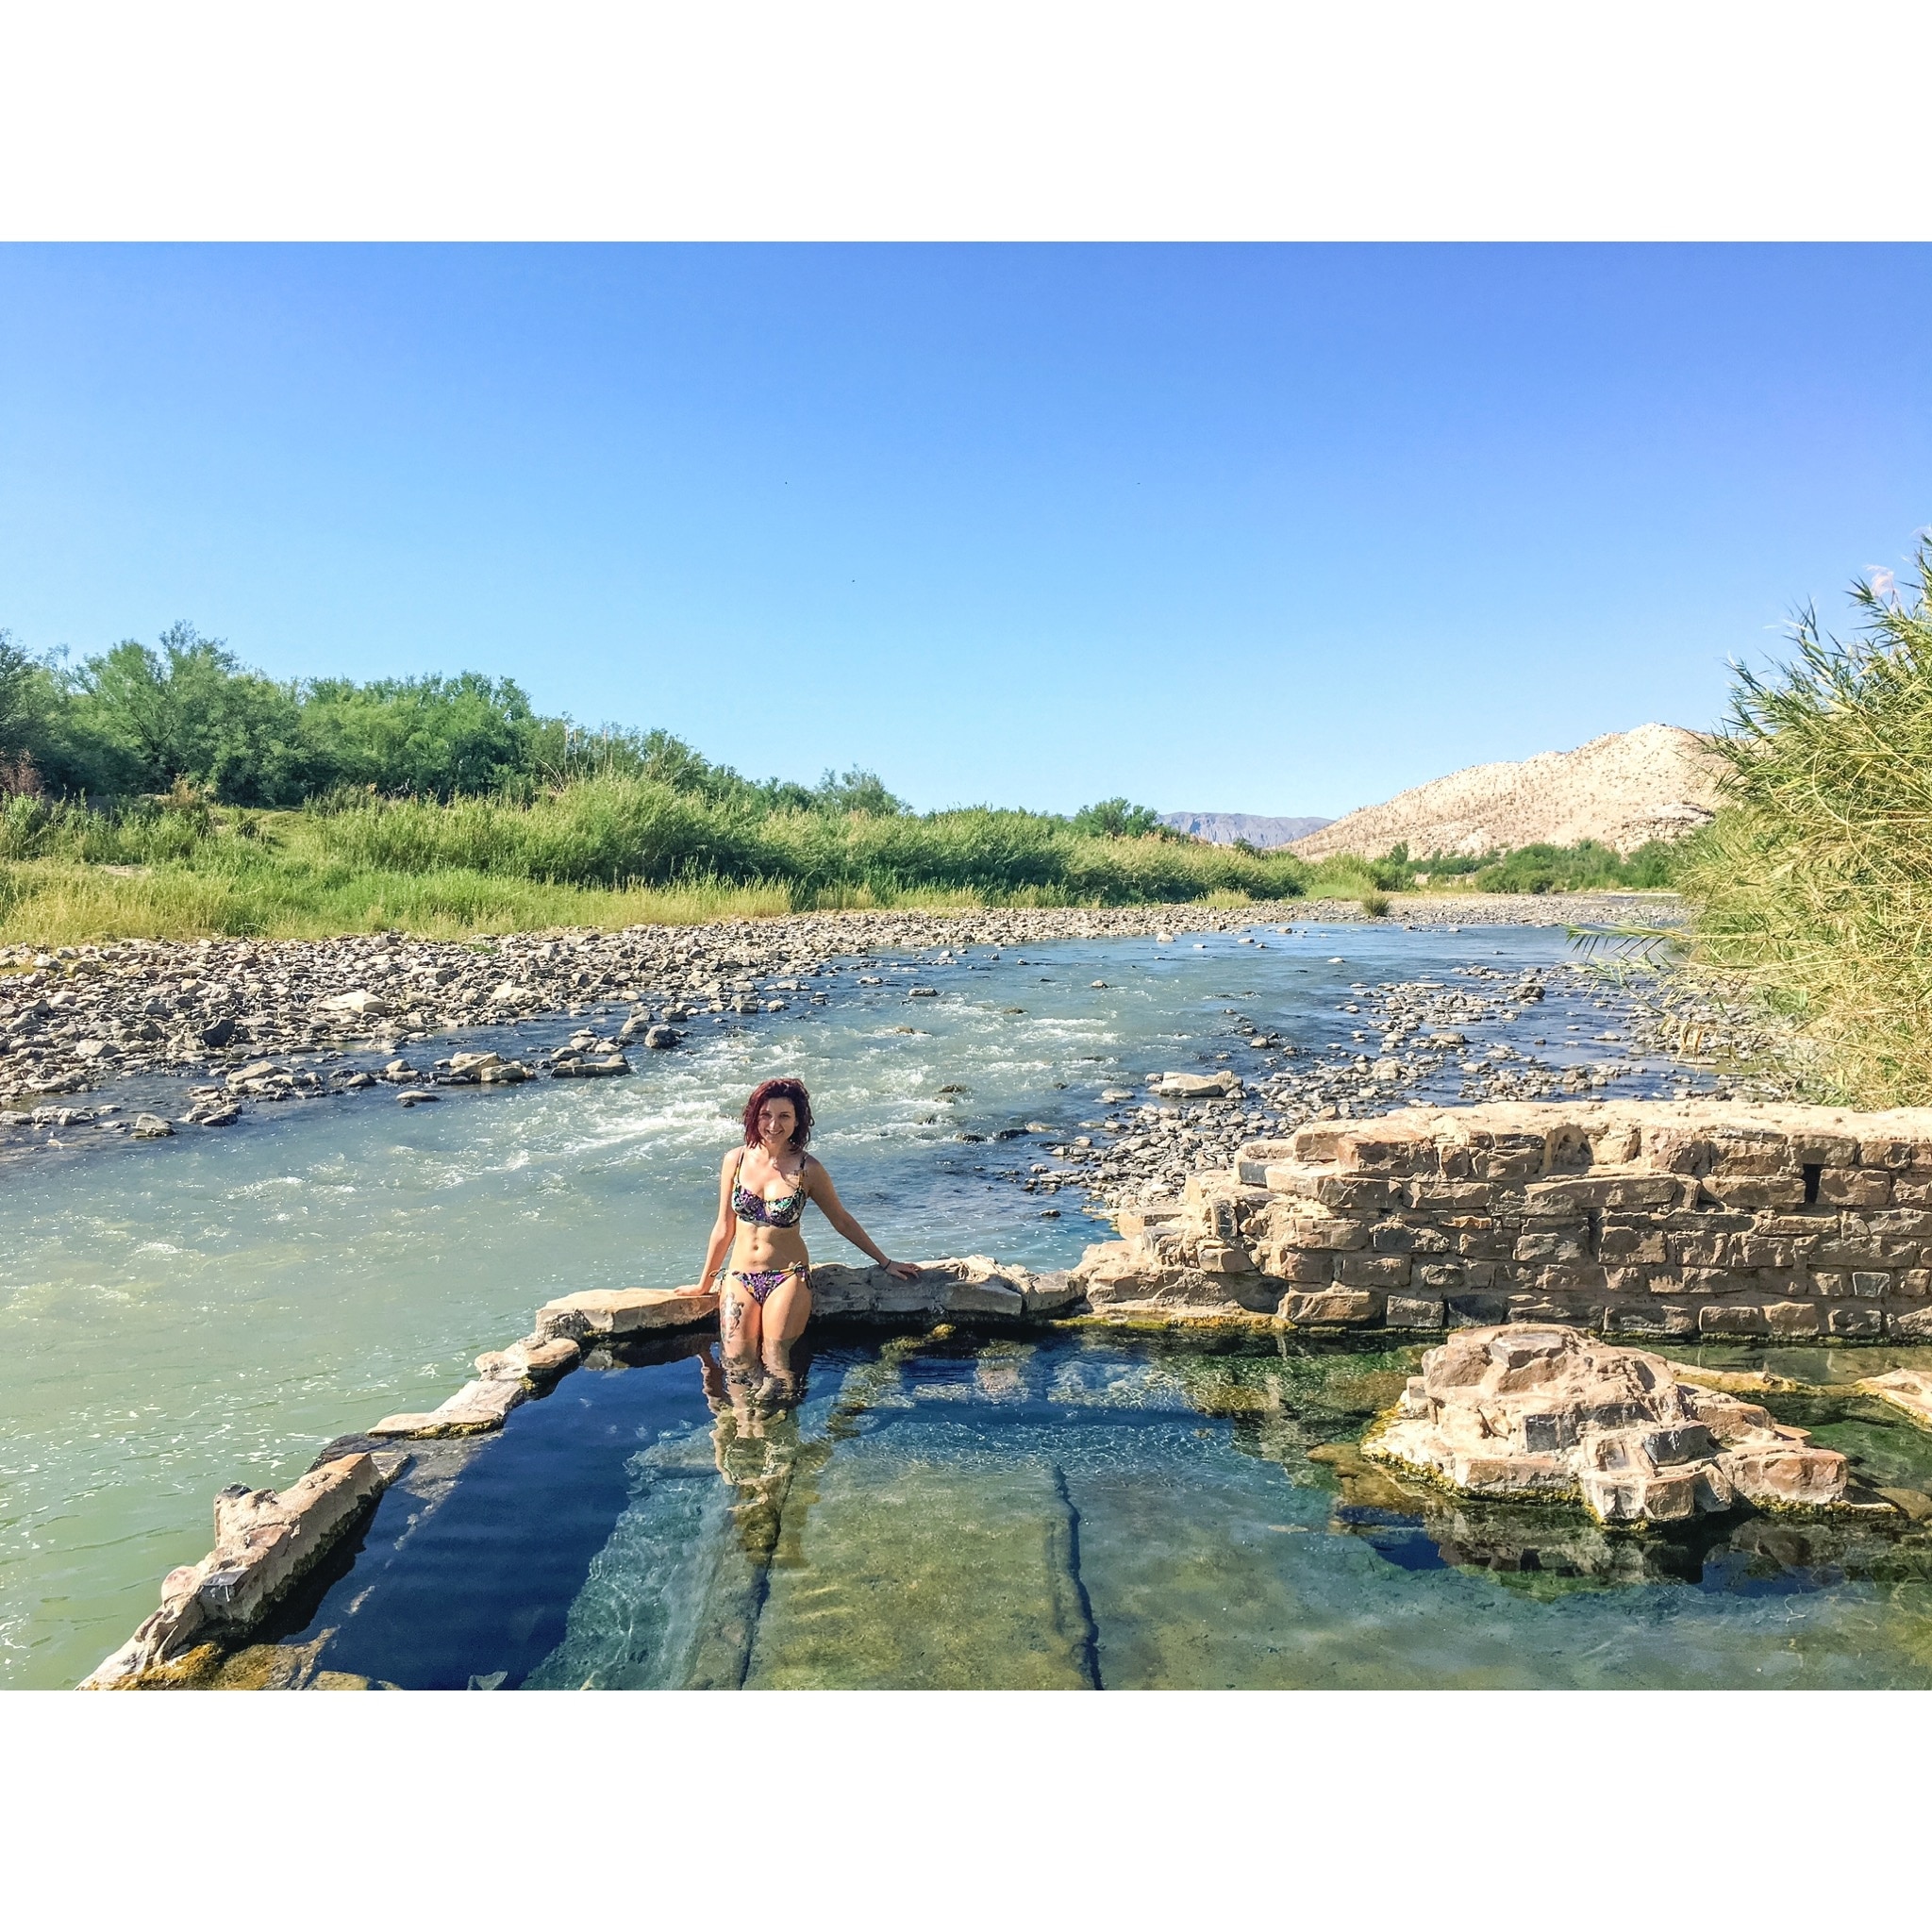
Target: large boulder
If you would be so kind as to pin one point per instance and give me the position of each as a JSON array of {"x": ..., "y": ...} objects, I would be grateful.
[
  {"x": 1179, "y": 1086},
  {"x": 588, "y": 1066},
  {"x": 359, "y": 1004},
  {"x": 1548, "y": 1412}
]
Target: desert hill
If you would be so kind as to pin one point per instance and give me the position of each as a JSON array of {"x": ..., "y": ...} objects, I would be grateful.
[
  {"x": 1656, "y": 782},
  {"x": 1224, "y": 828}
]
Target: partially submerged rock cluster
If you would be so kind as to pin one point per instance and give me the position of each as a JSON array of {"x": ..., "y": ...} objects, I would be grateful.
[
  {"x": 1534, "y": 1412},
  {"x": 1909, "y": 1390},
  {"x": 1644, "y": 1218},
  {"x": 1409, "y": 1030}
]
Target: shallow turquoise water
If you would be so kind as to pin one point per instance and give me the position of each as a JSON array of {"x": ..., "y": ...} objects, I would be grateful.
[
  {"x": 180, "y": 1315},
  {"x": 1074, "y": 1511}
]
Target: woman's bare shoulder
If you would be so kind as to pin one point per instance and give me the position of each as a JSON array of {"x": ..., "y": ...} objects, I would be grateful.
[{"x": 731, "y": 1161}]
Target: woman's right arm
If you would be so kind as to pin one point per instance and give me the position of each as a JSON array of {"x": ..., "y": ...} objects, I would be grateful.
[{"x": 718, "y": 1250}]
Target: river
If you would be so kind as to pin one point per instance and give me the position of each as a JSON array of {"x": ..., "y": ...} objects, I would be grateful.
[{"x": 181, "y": 1314}]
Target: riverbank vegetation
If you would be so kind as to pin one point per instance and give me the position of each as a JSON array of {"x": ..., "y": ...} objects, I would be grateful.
[
  {"x": 1814, "y": 884},
  {"x": 171, "y": 792},
  {"x": 603, "y": 851},
  {"x": 1585, "y": 867}
]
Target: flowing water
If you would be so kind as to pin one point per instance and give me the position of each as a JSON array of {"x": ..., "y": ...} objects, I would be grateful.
[{"x": 180, "y": 1315}]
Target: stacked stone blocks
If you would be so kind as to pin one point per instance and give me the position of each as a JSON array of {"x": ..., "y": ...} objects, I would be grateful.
[{"x": 1661, "y": 1218}]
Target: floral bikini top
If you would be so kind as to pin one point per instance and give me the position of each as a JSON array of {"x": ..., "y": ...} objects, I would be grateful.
[{"x": 759, "y": 1212}]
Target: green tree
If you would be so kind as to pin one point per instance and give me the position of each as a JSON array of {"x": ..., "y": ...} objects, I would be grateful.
[
  {"x": 1115, "y": 818},
  {"x": 426, "y": 737},
  {"x": 672, "y": 763},
  {"x": 20, "y": 714},
  {"x": 189, "y": 712},
  {"x": 44, "y": 744},
  {"x": 863, "y": 792}
]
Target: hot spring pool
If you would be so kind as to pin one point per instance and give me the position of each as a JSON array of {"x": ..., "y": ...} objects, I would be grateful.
[{"x": 1081, "y": 1510}]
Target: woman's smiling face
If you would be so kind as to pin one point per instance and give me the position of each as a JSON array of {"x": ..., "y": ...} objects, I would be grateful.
[{"x": 778, "y": 1122}]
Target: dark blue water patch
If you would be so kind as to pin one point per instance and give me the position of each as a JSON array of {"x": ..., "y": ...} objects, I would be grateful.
[
  {"x": 1403, "y": 1540},
  {"x": 480, "y": 1582},
  {"x": 1730, "y": 1572}
]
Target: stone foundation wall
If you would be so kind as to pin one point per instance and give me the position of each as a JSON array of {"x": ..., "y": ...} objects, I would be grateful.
[{"x": 1656, "y": 1218}]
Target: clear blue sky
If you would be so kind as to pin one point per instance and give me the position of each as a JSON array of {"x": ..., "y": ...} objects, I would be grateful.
[{"x": 1276, "y": 529}]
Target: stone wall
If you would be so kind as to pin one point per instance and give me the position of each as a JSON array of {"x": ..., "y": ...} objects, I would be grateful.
[{"x": 1654, "y": 1218}]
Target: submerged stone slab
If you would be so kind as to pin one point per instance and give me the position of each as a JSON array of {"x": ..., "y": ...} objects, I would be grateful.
[
  {"x": 912, "y": 1575},
  {"x": 265, "y": 1540},
  {"x": 610, "y": 1314},
  {"x": 1909, "y": 1390},
  {"x": 1529, "y": 1409}
]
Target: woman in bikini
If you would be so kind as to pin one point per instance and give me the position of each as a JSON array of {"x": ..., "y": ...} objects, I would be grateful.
[{"x": 757, "y": 1254}]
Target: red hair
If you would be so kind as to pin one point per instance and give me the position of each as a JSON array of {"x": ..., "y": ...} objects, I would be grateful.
[{"x": 793, "y": 1090}]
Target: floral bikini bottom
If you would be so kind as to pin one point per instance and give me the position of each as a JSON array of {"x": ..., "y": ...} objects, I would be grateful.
[{"x": 759, "y": 1285}]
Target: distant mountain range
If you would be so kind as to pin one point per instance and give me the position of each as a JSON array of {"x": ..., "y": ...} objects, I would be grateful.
[
  {"x": 1224, "y": 828},
  {"x": 1658, "y": 781}
]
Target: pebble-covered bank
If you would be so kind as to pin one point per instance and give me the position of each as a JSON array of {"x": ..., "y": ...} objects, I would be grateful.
[{"x": 242, "y": 1024}]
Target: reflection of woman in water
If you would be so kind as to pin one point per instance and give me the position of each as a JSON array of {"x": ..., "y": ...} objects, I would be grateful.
[
  {"x": 759, "y": 1451},
  {"x": 756, "y": 1253}
]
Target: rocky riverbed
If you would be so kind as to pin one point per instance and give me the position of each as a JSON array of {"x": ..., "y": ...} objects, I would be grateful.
[
  {"x": 244, "y": 1023},
  {"x": 1478, "y": 1034}
]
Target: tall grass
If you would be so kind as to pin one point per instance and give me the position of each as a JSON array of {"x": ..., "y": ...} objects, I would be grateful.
[
  {"x": 616, "y": 829},
  {"x": 50, "y": 903},
  {"x": 1814, "y": 884},
  {"x": 609, "y": 850}
]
